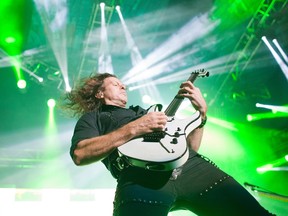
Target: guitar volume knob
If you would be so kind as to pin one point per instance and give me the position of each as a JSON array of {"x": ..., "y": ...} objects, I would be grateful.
[{"x": 174, "y": 141}]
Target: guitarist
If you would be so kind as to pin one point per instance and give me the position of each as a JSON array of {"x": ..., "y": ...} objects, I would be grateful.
[{"x": 105, "y": 124}]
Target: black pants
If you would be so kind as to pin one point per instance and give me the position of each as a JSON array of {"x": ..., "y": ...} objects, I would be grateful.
[{"x": 199, "y": 186}]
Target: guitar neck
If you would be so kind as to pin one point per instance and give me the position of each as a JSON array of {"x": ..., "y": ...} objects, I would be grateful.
[
  {"x": 176, "y": 102},
  {"x": 173, "y": 106}
]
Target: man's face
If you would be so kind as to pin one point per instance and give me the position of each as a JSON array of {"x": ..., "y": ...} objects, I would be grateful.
[{"x": 113, "y": 92}]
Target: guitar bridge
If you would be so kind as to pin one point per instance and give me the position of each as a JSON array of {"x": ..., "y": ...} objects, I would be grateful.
[{"x": 154, "y": 136}]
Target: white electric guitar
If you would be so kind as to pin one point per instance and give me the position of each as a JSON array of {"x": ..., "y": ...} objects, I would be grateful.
[{"x": 164, "y": 150}]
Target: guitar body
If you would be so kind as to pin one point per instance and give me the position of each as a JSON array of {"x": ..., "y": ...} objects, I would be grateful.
[{"x": 161, "y": 151}]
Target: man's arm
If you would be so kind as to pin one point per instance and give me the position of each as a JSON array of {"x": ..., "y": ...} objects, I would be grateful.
[
  {"x": 94, "y": 149},
  {"x": 194, "y": 138},
  {"x": 188, "y": 90}
]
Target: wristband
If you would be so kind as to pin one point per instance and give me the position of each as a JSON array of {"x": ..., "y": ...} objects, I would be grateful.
[{"x": 203, "y": 122}]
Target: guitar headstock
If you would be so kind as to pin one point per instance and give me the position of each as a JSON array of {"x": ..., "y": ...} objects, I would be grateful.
[
  {"x": 198, "y": 73},
  {"x": 201, "y": 73}
]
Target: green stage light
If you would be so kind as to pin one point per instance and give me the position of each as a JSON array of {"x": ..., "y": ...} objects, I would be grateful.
[
  {"x": 51, "y": 103},
  {"x": 232, "y": 12},
  {"x": 15, "y": 17},
  {"x": 273, "y": 165},
  {"x": 21, "y": 84},
  {"x": 56, "y": 73},
  {"x": 266, "y": 115},
  {"x": 10, "y": 40},
  {"x": 249, "y": 117},
  {"x": 14, "y": 23},
  {"x": 51, "y": 125},
  {"x": 264, "y": 168}
]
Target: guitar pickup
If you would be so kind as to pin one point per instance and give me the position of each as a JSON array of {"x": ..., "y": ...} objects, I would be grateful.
[{"x": 154, "y": 136}]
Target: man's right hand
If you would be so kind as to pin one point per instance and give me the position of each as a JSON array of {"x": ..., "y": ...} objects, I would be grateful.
[{"x": 152, "y": 121}]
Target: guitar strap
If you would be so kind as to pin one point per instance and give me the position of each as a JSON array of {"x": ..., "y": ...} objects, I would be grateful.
[{"x": 155, "y": 108}]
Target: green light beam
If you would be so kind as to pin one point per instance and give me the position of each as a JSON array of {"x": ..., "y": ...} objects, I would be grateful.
[{"x": 266, "y": 115}]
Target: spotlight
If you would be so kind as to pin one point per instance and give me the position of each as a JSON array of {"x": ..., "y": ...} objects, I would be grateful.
[
  {"x": 278, "y": 59},
  {"x": 249, "y": 117},
  {"x": 102, "y": 4},
  {"x": 68, "y": 89},
  {"x": 264, "y": 168},
  {"x": 51, "y": 103},
  {"x": 10, "y": 40},
  {"x": 146, "y": 99},
  {"x": 21, "y": 84}
]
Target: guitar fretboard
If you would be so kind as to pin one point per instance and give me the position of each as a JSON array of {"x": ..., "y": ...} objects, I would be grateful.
[{"x": 176, "y": 102}]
